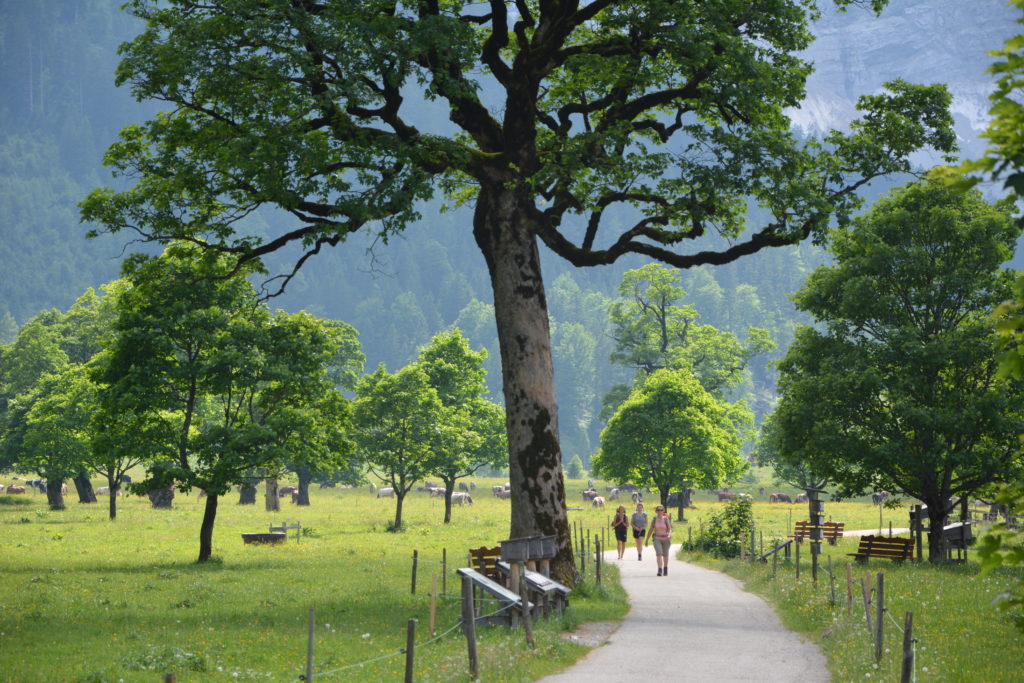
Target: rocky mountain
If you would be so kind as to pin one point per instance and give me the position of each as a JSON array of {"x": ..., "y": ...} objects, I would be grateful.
[{"x": 921, "y": 41}]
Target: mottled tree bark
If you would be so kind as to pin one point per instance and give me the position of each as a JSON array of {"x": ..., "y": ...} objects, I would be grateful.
[
  {"x": 305, "y": 477},
  {"x": 503, "y": 226},
  {"x": 84, "y": 488},
  {"x": 247, "y": 494},
  {"x": 55, "y": 493},
  {"x": 206, "y": 530},
  {"x": 271, "y": 499},
  {"x": 162, "y": 498}
]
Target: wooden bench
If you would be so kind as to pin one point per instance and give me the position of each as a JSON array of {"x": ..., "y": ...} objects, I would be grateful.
[
  {"x": 271, "y": 538},
  {"x": 504, "y": 596},
  {"x": 485, "y": 561},
  {"x": 285, "y": 527},
  {"x": 890, "y": 548},
  {"x": 830, "y": 531},
  {"x": 543, "y": 587}
]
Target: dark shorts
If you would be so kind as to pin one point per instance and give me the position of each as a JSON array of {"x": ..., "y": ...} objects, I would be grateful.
[
  {"x": 620, "y": 533},
  {"x": 639, "y": 534}
]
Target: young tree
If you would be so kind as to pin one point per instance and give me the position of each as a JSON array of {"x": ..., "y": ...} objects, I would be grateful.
[
  {"x": 671, "y": 432},
  {"x": 473, "y": 427},
  {"x": 650, "y": 123},
  {"x": 652, "y": 332},
  {"x": 398, "y": 425},
  {"x": 222, "y": 386},
  {"x": 898, "y": 387}
]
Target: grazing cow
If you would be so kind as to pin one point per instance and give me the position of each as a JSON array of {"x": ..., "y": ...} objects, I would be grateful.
[
  {"x": 105, "y": 491},
  {"x": 437, "y": 493},
  {"x": 801, "y": 497},
  {"x": 589, "y": 495},
  {"x": 637, "y": 497},
  {"x": 503, "y": 494},
  {"x": 430, "y": 484},
  {"x": 287, "y": 491},
  {"x": 597, "y": 502},
  {"x": 386, "y": 492},
  {"x": 780, "y": 498},
  {"x": 879, "y": 497},
  {"x": 12, "y": 489},
  {"x": 463, "y": 486},
  {"x": 725, "y": 495},
  {"x": 295, "y": 497},
  {"x": 472, "y": 486},
  {"x": 497, "y": 489},
  {"x": 461, "y": 498},
  {"x": 613, "y": 494}
]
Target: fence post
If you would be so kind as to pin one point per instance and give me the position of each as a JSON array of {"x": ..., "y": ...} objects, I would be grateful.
[
  {"x": 524, "y": 596},
  {"x": 832, "y": 580},
  {"x": 907, "y": 671},
  {"x": 849, "y": 590},
  {"x": 469, "y": 624},
  {"x": 689, "y": 537},
  {"x": 796, "y": 541},
  {"x": 775, "y": 561},
  {"x": 309, "y": 646},
  {"x": 415, "y": 559},
  {"x": 433, "y": 604},
  {"x": 753, "y": 548},
  {"x": 444, "y": 571},
  {"x": 867, "y": 606},
  {"x": 410, "y": 645},
  {"x": 879, "y": 616},
  {"x": 597, "y": 559}
]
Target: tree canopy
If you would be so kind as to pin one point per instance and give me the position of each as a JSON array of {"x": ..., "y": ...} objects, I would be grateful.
[
  {"x": 671, "y": 432},
  {"x": 601, "y": 129},
  {"x": 898, "y": 387}
]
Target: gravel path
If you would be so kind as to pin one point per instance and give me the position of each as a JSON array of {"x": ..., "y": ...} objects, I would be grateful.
[{"x": 694, "y": 625}]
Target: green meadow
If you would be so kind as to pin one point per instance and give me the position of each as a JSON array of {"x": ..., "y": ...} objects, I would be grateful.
[{"x": 87, "y": 599}]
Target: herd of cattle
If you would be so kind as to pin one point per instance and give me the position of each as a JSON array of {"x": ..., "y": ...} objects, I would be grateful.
[{"x": 463, "y": 497}]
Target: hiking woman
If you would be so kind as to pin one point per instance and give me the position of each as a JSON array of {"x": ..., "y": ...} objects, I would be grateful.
[
  {"x": 621, "y": 524},
  {"x": 661, "y": 529},
  {"x": 639, "y": 524}
]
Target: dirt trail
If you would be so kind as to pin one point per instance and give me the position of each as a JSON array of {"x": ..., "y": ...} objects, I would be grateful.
[{"x": 694, "y": 625}]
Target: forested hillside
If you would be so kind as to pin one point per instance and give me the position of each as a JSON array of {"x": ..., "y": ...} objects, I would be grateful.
[{"x": 60, "y": 110}]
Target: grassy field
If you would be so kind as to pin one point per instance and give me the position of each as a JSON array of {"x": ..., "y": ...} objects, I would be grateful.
[
  {"x": 90, "y": 600},
  {"x": 961, "y": 636}
]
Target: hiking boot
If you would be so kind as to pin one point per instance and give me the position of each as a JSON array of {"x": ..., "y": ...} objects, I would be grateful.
[
  {"x": 664, "y": 572},
  {"x": 659, "y": 571}
]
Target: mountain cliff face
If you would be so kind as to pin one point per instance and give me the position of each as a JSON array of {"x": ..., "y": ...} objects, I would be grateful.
[{"x": 921, "y": 41}]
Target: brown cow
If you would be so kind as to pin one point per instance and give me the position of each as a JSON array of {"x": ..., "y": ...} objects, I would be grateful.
[
  {"x": 780, "y": 498},
  {"x": 12, "y": 489},
  {"x": 287, "y": 491}
]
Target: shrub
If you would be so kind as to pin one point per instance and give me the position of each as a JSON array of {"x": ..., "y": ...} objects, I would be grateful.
[
  {"x": 726, "y": 529},
  {"x": 574, "y": 470}
]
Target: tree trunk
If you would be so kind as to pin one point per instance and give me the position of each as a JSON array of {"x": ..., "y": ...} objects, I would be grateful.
[
  {"x": 271, "y": 499},
  {"x": 113, "y": 485},
  {"x": 684, "y": 498},
  {"x": 503, "y": 227},
  {"x": 84, "y": 488},
  {"x": 305, "y": 476},
  {"x": 206, "y": 530},
  {"x": 936, "y": 538},
  {"x": 55, "y": 494},
  {"x": 400, "y": 498},
  {"x": 448, "y": 490},
  {"x": 162, "y": 499},
  {"x": 247, "y": 493}
]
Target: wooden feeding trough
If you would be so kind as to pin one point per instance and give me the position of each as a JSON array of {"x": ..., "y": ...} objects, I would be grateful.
[{"x": 271, "y": 538}]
